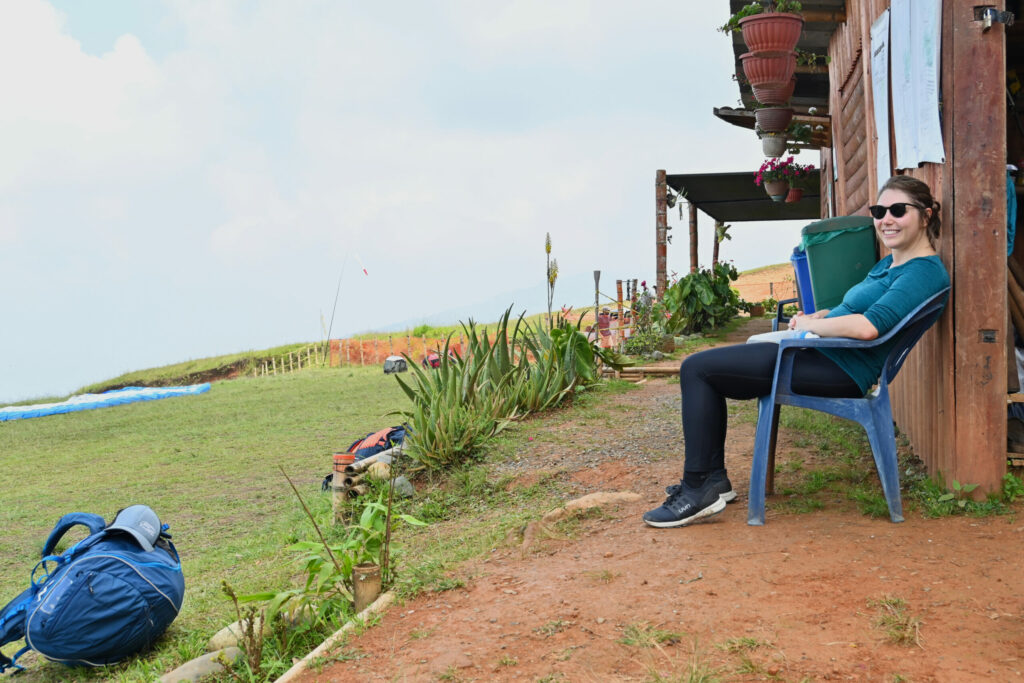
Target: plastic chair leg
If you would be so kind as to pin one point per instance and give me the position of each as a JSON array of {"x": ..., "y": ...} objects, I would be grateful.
[
  {"x": 883, "y": 447},
  {"x": 767, "y": 412}
]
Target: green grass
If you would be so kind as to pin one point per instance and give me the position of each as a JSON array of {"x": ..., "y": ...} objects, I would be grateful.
[
  {"x": 645, "y": 635},
  {"x": 202, "y": 369},
  {"x": 208, "y": 465}
]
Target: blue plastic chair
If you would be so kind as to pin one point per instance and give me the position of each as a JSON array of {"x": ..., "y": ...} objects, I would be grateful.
[{"x": 873, "y": 411}]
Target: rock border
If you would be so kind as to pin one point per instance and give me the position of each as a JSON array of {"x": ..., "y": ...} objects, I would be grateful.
[{"x": 378, "y": 606}]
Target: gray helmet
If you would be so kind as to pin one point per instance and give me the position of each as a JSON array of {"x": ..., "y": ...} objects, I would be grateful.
[{"x": 141, "y": 522}]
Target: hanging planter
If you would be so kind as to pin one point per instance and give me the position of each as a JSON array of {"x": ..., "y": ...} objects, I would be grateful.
[
  {"x": 773, "y": 144},
  {"x": 775, "y": 176},
  {"x": 795, "y": 194},
  {"x": 774, "y": 94},
  {"x": 773, "y": 119},
  {"x": 777, "y": 189},
  {"x": 769, "y": 69},
  {"x": 771, "y": 31}
]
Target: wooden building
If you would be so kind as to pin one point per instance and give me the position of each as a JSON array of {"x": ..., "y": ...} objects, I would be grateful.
[{"x": 951, "y": 396}]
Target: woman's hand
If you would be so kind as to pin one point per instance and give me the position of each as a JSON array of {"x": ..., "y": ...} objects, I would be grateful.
[{"x": 810, "y": 316}]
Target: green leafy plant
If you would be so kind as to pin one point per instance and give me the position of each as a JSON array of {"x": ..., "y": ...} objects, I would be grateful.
[
  {"x": 959, "y": 493},
  {"x": 328, "y": 592},
  {"x": 1013, "y": 487},
  {"x": 759, "y": 7},
  {"x": 811, "y": 59},
  {"x": 644, "y": 338},
  {"x": 699, "y": 301}
]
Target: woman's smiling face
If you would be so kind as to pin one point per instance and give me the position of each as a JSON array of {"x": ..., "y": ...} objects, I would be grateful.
[{"x": 905, "y": 232}]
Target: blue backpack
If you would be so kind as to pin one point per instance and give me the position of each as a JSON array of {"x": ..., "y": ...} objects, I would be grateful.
[{"x": 105, "y": 598}]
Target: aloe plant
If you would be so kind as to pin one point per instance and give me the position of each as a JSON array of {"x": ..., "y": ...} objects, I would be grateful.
[{"x": 459, "y": 405}]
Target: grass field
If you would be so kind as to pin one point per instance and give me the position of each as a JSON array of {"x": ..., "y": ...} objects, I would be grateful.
[{"x": 208, "y": 465}]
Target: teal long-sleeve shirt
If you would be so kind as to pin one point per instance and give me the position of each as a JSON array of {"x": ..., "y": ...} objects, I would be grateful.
[{"x": 885, "y": 297}]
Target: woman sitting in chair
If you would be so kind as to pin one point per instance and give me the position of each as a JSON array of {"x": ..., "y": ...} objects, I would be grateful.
[{"x": 906, "y": 221}]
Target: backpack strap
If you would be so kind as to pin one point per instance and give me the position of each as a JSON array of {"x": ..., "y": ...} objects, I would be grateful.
[{"x": 94, "y": 523}]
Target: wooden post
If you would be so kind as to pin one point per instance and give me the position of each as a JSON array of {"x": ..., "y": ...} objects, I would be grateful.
[
  {"x": 597, "y": 303},
  {"x": 273, "y": 364},
  {"x": 620, "y": 332},
  {"x": 976, "y": 108},
  {"x": 376, "y": 355},
  {"x": 714, "y": 248},
  {"x": 391, "y": 346},
  {"x": 291, "y": 366},
  {"x": 660, "y": 238},
  {"x": 694, "y": 261},
  {"x": 361, "y": 352}
]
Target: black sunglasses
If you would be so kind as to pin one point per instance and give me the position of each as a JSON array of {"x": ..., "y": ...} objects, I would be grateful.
[{"x": 897, "y": 210}]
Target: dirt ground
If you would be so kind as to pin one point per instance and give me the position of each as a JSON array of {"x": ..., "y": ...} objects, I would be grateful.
[{"x": 797, "y": 599}]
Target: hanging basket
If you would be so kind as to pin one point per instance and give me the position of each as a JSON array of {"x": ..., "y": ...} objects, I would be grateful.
[
  {"x": 768, "y": 69},
  {"x": 774, "y": 94},
  {"x": 773, "y": 119},
  {"x": 795, "y": 194},
  {"x": 773, "y": 144},
  {"x": 772, "y": 31},
  {"x": 777, "y": 189}
]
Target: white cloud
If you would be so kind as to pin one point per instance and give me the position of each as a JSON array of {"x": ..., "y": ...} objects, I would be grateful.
[{"x": 220, "y": 187}]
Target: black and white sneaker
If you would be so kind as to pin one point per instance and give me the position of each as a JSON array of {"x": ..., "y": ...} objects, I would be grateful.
[
  {"x": 722, "y": 485},
  {"x": 686, "y": 506}
]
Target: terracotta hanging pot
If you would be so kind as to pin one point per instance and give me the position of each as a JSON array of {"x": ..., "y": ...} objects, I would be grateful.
[
  {"x": 773, "y": 119},
  {"x": 777, "y": 189},
  {"x": 772, "y": 31},
  {"x": 774, "y": 94},
  {"x": 795, "y": 194},
  {"x": 773, "y": 144},
  {"x": 768, "y": 69}
]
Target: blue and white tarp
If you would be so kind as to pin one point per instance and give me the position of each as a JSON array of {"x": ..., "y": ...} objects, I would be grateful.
[{"x": 104, "y": 400}]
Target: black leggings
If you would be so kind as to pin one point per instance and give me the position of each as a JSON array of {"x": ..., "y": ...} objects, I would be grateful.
[{"x": 743, "y": 371}]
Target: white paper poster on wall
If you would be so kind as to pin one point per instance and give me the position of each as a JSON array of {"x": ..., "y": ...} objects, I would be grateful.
[
  {"x": 914, "y": 37},
  {"x": 880, "y": 95}
]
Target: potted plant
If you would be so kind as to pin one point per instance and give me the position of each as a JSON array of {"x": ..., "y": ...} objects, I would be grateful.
[
  {"x": 772, "y": 119},
  {"x": 769, "y": 68},
  {"x": 774, "y": 177},
  {"x": 777, "y": 27},
  {"x": 774, "y": 94},
  {"x": 772, "y": 144},
  {"x": 798, "y": 180}
]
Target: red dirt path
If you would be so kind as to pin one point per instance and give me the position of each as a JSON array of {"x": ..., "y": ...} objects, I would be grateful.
[{"x": 799, "y": 590}]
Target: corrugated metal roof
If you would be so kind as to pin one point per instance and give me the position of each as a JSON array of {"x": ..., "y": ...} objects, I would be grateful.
[{"x": 734, "y": 198}]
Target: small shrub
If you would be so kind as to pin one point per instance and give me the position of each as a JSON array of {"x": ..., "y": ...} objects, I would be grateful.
[{"x": 700, "y": 301}]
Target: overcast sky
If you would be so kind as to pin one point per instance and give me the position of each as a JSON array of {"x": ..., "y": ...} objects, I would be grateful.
[{"x": 186, "y": 178}]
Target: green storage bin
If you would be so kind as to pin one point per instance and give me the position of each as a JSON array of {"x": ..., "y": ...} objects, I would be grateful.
[{"x": 840, "y": 252}]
